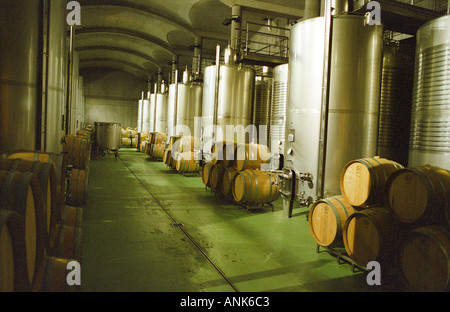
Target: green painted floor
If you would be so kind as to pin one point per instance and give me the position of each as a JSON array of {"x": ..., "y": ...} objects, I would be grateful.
[{"x": 131, "y": 241}]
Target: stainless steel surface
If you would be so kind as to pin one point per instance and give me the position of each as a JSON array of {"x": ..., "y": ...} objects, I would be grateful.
[
  {"x": 18, "y": 73},
  {"x": 56, "y": 90},
  {"x": 151, "y": 121},
  {"x": 171, "y": 111},
  {"x": 234, "y": 102},
  {"x": 161, "y": 113},
  {"x": 189, "y": 107},
  {"x": 140, "y": 115},
  {"x": 261, "y": 107},
  {"x": 146, "y": 116},
  {"x": 430, "y": 118},
  {"x": 108, "y": 135},
  {"x": 395, "y": 102},
  {"x": 353, "y": 98},
  {"x": 278, "y": 110}
]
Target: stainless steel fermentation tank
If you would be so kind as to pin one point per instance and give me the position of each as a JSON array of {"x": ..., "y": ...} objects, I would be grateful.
[
  {"x": 158, "y": 110},
  {"x": 19, "y": 74},
  {"x": 189, "y": 107},
  {"x": 313, "y": 163},
  {"x": 146, "y": 114},
  {"x": 262, "y": 104},
  {"x": 234, "y": 103},
  {"x": 430, "y": 117},
  {"x": 108, "y": 135},
  {"x": 278, "y": 114},
  {"x": 395, "y": 101}
]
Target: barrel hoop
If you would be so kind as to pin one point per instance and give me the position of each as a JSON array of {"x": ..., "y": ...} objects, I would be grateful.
[
  {"x": 245, "y": 184},
  {"x": 343, "y": 206},
  {"x": 373, "y": 177},
  {"x": 435, "y": 239},
  {"x": 270, "y": 187},
  {"x": 431, "y": 190},
  {"x": 7, "y": 185},
  {"x": 336, "y": 214},
  {"x": 440, "y": 183},
  {"x": 36, "y": 156},
  {"x": 256, "y": 185},
  {"x": 15, "y": 164},
  {"x": 48, "y": 273},
  {"x": 382, "y": 168}
]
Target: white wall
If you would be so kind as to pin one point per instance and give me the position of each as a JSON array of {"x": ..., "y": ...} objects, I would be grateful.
[{"x": 112, "y": 96}]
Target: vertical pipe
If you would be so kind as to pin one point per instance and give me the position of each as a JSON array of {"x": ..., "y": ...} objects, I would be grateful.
[
  {"x": 196, "y": 61},
  {"x": 236, "y": 12},
  {"x": 216, "y": 97},
  {"x": 325, "y": 99},
  {"x": 312, "y": 9},
  {"x": 69, "y": 81}
]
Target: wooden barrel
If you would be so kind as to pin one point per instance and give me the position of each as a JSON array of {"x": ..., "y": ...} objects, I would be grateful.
[
  {"x": 228, "y": 179},
  {"x": 420, "y": 194},
  {"x": 255, "y": 187},
  {"x": 13, "y": 258},
  {"x": 78, "y": 187},
  {"x": 59, "y": 164},
  {"x": 47, "y": 181},
  {"x": 173, "y": 140},
  {"x": 56, "y": 276},
  {"x": 157, "y": 137},
  {"x": 363, "y": 181},
  {"x": 67, "y": 240},
  {"x": 174, "y": 159},
  {"x": 21, "y": 193},
  {"x": 224, "y": 152},
  {"x": 206, "y": 173},
  {"x": 77, "y": 151},
  {"x": 327, "y": 219},
  {"x": 217, "y": 176},
  {"x": 158, "y": 151},
  {"x": 251, "y": 156},
  {"x": 424, "y": 259},
  {"x": 127, "y": 142},
  {"x": 371, "y": 235},
  {"x": 187, "y": 144},
  {"x": 72, "y": 216},
  {"x": 186, "y": 163}
]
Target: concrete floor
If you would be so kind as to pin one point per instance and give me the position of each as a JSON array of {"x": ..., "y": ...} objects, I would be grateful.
[{"x": 133, "y": 240}]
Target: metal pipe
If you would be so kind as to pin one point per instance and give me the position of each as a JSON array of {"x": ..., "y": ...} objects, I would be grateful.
[
  {"x": 448, "y": 7},
  {"x": 312, "y": 9},
  {"x": 70, "y": 81},
  {"x": 236, "y": 12},
  {"x": 216, "y": 98},
  {"x": 325, "y": 99}
]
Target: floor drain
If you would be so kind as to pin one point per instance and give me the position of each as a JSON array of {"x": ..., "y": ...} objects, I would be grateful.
[{"x": 178, "y": 225}]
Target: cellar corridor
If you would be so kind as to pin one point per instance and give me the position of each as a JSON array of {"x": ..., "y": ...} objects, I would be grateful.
[{"x": 148, "y": 228}]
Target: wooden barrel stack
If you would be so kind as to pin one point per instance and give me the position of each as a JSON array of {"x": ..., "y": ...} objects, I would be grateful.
[
  {"x": 154, "y": 147},
  {"x": 37, "y": 231},
  {"x": 237, "y": 172},
  {"x": 394, "y": 215},
  {"x": 129, "y": 138}
]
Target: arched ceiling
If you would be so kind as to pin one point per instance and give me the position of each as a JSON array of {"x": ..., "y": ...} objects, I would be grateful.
[{"x": 142, "y": 36}]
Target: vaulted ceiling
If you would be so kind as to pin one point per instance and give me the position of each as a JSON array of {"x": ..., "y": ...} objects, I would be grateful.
[{"x": 142, "y": 36}]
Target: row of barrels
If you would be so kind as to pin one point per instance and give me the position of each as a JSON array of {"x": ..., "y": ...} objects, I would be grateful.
[
  {"x": 130, "y": 137},
  {"x": 250, "y": 186},
  {"x": 393, "y": 215},
  {"x": 39, "y": 234}
]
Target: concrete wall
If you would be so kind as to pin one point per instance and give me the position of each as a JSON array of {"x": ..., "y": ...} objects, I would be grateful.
[{"x": 112, "y": 96}]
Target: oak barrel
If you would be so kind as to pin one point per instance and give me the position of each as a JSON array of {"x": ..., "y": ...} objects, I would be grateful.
[
  {"x": 20, "y": 192},
  {"x": 187, "y": 144},
  {"x": 424, "y": 259},
  {"x": 13, "y": 257},
  {"x": 217, "y": 176},
  {"x": 67, "y": 240},
  {"x": 59, "y": 164},
  {"x": 186, "y": 163},
  {"x": 206, "y": 173},
  {"x": 228, "y": 179},
  {"x": 255, "y": 187},
  {"x": 363, "y": 181},
  {"x": 47, "y": 181},
  {"x": 77, "y": 151},
  {"x": 251, "y": 156},
  {"x": 78, "y": 187},
  {"x": 420, "y": 194},
  {"x": 56, "y": 276},
  {"x": 327, "y": 218},
  {"x": 371, "y": 235}
]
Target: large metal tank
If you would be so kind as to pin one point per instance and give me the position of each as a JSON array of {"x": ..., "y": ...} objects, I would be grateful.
[
  {"x": 395, "y": 102},
  {"x": 235, "y": 100},
  {"x": 189, "y": 107},
  {"x": 19, "y": 59},
  {"x": 171, "y": 111},
  {"x": 146, "y": 115},
  {"x": 261, "y": 106},
  {"x": 140, "y": 111},
  {"x": 56, "y": 73},
  {"x": 161, "y": 111},
  {"x": 108, "y": 135},
  {"x": 277, "y": 128},
  {"x": 353, "y": 104},
  {"x": 430, "y": 117}
]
